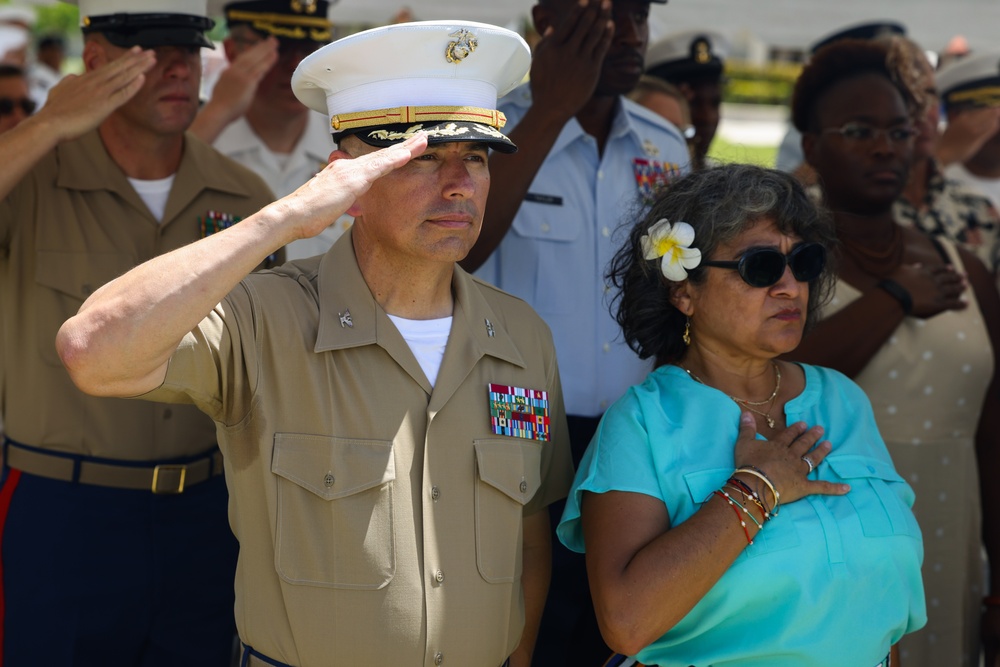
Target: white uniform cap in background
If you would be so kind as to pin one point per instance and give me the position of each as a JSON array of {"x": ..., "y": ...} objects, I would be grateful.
[
  {"x": 12, "y": 38},
  {"x": 688, "y": 54},
  {"x": 972, "y": 81},
  {"x": 439, "y": 77},
  {"x": 147, "y": 23},
  {"x": 17, "y": 15}
]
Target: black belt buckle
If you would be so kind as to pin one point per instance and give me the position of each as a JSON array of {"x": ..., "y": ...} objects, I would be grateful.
[{"x": 169, "y": 479}]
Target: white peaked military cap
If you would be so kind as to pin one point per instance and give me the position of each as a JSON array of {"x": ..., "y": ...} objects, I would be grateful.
[
  {"x": 17, "y": 15},
  {"x": 147, "y": 23},
  {"x": 12, "y": 38},
  {"x": 687, "y": 55},
  {"x": 972, "y": 81},
  {"x": 439, "y": 77}
]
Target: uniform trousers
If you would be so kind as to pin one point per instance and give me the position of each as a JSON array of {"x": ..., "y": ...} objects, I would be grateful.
[{"x": 93, "y": 575}]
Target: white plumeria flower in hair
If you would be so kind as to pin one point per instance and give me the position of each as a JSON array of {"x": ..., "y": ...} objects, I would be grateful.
[{"x": 672, "y": 242}]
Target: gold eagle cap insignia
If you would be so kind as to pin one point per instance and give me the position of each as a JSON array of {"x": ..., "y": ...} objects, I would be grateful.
[
  {"x": 304, "y": 6},
  {"x": 462, "y": 47},
  {"x": 702, "y": 54}
]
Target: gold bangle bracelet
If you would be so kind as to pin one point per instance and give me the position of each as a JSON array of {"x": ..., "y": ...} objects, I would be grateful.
[{"x": 759, "y": 474}]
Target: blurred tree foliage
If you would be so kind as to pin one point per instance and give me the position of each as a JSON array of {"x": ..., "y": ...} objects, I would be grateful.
[{"x": 752, "y": 84}]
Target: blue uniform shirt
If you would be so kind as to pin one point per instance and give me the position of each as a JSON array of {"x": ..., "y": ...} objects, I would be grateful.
[
  {"x": 830, "y": 581},
  {"x": 563, "y": 237}
]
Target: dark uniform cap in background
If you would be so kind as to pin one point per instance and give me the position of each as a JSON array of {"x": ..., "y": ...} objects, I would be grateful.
[
  {"x": 692, "y": 54},
  {"x": 872, "y": 30},
  {"x": 296, "y": 20},
  {"x": 973, "y": 81},
  {"x": 147, "y": 23},
  {"x": 439, "y": 77}
]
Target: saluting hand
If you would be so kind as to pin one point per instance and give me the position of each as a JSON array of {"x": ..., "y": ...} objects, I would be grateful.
[
  {"x": 79, "y": 103},
  {"x": 781, "y": 459},
  {"x": 237, "y": 84},
  {"x": 567, "y": 61},
  {"x": 331, "y": 192}
]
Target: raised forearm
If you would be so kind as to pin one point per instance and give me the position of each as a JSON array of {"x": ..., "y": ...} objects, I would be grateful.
[{"x": 121, "y": 339}]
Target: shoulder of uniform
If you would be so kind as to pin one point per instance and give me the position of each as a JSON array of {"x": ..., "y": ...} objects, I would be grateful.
[
  {"x": 224, "y": 173},
  {"x": 645, "y": 118}
]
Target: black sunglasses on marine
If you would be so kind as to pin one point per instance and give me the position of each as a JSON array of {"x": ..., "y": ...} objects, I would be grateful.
[
  {"x": 7, "y": 105},
  {"x": 763, "y": 267}
]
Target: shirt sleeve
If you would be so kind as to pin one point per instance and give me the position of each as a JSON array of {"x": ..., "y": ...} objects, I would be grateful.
[{"x": 619, "y": 458}]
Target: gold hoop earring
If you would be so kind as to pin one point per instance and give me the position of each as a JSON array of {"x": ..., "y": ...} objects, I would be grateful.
[{"x": 687, "y": 332}]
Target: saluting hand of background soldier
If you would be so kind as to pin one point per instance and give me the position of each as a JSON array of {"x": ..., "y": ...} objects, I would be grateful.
[
  {"x": 79, "y": 103},
  {"x": 567, "y": 61}
]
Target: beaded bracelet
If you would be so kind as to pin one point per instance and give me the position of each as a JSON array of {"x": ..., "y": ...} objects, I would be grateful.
[
  {"x": 733, "y": 501},
  {"x": 738, "y": 517},
  {"x": 748, "y": 498},
  {"x": 749, "y": 494},
  {"x": 760, "y": 474}
]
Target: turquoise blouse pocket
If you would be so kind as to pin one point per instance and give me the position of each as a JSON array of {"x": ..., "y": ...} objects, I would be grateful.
[
  {"x": 776, "y": 535},
  {"x": 877, "y": 495}
]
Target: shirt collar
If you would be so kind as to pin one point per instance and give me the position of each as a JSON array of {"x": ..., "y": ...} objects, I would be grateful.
[
  {"x": 350, "y": 317},
  {"x": 86, "y": 165},
  {"x": 621, "y": 125}
]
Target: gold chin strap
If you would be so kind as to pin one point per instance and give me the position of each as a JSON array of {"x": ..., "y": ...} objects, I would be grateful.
[
  {"x": 350, "y": 121},
  {"x": 980, "y": 97}
]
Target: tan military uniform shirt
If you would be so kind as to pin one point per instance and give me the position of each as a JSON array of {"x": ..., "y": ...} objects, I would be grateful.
[
  {"x": 379, "y": 520},
  {"x": 71, "y": 225}
]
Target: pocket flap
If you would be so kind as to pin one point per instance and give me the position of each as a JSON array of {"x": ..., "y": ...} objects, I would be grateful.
[
  {"x": 545, "y": 227},
  {"x": 511, "y": 466},
  {"x": 852, "y": 466},
  {"x": 701, "y": 483},
  {"x": 79, "y": 274},
  {"x": 332, "y": 467}
]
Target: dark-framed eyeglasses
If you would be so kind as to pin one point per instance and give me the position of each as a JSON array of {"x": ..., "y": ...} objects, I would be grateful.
[
  {"x": 8, "y": 104},
  {"x": 763, "y": 267},
  {"x": 863, "y": 133}
]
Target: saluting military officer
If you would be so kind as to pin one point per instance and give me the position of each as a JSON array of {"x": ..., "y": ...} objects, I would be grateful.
[
  {"x": 693, "y": 61},
  {"x": 393, "y": 428},
  {"x": 116, "y": 548}
]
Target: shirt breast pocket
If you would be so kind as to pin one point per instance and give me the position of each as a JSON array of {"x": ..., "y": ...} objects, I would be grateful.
[
  {"x": 545, "y": 250},
  {"x": 776, "y": 535},
  {"x": 64, "y": 280},
  {"x": 508, "y": 476},
  {"x": 334, "y": 511},
  {"x": 877, "y": 494}
]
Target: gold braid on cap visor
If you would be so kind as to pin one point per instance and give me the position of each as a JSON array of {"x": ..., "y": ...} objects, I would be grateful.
[
  {"x": 979, "y": 97},
  {"x": 285, "y": 25},
  {"x": 351, "y": 121}
]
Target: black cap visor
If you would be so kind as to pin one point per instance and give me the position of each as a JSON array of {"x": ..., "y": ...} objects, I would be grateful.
[
  {"x": 440, "y": 132},
  {"x": 151, "y": 30}
]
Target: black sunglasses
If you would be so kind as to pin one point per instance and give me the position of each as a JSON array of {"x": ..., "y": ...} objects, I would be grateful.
[
  {"x": 763, "y": 267},
  {"x": 7, "y": 105}
]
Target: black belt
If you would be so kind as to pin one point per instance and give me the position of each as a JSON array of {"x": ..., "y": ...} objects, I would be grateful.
[
  {"x": 252, "y": 658},
  {"x": 171, "y": 476}
]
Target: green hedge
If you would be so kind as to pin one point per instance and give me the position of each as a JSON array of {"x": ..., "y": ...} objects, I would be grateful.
[{"x": 751, "y": 84}]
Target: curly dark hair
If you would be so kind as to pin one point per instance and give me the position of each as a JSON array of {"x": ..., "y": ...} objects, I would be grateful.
[
  {"x": 720, "y": 203},
  {"x": 846, "y": 59}
]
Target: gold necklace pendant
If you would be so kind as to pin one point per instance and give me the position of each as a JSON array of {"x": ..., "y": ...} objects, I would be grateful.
[{"x": 769, "y": 401}]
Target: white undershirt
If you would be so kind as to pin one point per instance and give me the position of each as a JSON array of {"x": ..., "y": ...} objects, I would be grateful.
[
  {"x": 427, "y": 340},
  {"x": 154, "y": 194}
]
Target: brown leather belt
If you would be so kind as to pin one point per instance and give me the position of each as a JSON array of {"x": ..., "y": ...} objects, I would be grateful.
[{"x": 171, "y": 477}]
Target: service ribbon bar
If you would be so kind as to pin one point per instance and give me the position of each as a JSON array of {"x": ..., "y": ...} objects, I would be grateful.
[{"x": 520, "y": 413}]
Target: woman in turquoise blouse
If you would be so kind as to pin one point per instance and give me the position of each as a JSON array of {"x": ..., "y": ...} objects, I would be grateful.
[{"x": 796, "y": 546}]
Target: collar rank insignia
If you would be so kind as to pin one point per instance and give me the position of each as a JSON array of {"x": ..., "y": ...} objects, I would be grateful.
[
  {"x": 520, "y": 413},
  {"x": 490, "y": 331},
  {"x": 651, "y": 149},
  {"x": 345, "y": 319}
]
